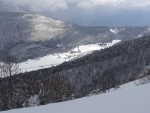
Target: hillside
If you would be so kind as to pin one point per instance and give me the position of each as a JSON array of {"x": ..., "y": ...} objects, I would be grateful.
[
  {"x": 93, "y": 73},
  {"x": 125, "y": 61},
  {"x": 127, "y": 99},
  {"x": 29, "y": 36}
]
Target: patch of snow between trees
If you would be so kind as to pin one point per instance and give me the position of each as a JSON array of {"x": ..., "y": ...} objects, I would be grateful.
[
  {"x": 114, "y": 31},
  {"x": 32, "y": 101}
]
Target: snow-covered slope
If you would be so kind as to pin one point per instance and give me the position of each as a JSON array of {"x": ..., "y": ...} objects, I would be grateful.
[
  {"x": 29, "y": 27},
  {"x": 43, "y": 28},
  {"x": 127, "y": 99},
  {"x": 58, "y": 58}
]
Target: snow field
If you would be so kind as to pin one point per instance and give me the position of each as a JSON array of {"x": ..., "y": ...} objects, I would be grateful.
[
  {"x": 129, "y": 98},
  {"x": 58, "y": 58}
]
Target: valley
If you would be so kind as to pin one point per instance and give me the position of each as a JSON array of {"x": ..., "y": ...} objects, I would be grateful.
[{"x": 61, "y": 67}]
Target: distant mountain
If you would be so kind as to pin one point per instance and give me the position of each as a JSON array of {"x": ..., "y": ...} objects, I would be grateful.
[{"x": 29, "y": 36}]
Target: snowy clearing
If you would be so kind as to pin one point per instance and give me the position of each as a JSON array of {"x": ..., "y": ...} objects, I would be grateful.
[
  {"x": 56, "y": 59},
  {"x": 127, "y": 99},
  {"x": 114, "y": 31}
]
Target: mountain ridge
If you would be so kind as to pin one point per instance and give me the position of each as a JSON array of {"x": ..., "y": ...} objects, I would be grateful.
[{"x": 29, "y": 35}]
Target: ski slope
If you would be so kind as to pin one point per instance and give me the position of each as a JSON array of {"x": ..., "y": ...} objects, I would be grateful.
[
  {"x": 129, "y": 98},
  {"x": 58, "y": 58}
]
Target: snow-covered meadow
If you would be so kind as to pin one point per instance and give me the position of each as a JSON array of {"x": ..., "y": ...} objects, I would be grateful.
[
  {"x": 58, "y": 58},
  {"x": 129, "y": 98}
]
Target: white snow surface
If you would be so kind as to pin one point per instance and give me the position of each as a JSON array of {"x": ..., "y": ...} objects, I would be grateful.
[
  {"x": 58, "y": 58},
  {"x": 127, "y": 99},
  {"x": 114, "y": 31}
]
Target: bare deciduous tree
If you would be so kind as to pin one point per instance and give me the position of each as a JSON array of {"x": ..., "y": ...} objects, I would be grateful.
[
  {"x": 56, "y": 89},
  {"x": 8, "y": 68}
]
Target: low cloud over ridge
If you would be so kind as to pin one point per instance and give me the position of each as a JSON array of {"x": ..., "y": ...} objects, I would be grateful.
[{"x": 91, "y": 12}]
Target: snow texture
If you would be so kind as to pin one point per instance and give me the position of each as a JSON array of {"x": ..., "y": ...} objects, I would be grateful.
[{"x": 127, "y": 99}]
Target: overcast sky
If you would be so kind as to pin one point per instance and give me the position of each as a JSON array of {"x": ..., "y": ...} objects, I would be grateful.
[{"x": 92, "y": 12}]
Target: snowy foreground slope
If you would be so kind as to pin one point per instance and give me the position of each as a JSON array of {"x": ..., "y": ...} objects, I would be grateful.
[
  {"x": 127, "y": 99},
  {"x": 58, "y": 58}
]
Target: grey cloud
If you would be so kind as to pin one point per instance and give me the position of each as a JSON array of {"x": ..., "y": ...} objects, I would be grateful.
[
  {"x": 55, "y": 5},
  {"x": 91, "y": 12},
  {"x": 38, "y": 5}
]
